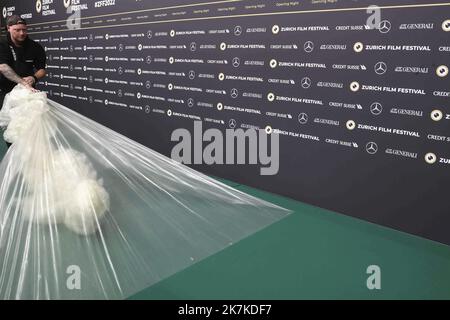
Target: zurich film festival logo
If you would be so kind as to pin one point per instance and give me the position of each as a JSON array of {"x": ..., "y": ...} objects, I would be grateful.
[
  {"x": 38, "y": 6},
  {"x": 237, "y": 144},
  {"x": 72, "y": 22}
]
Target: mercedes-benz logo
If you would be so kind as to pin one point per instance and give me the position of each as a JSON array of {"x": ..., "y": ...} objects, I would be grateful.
[
  {"x": 306, "y": 83},
  {"x": 5, "y": 12},
  {"x": 237, "y": 30},
  {"x": 232, "y": 123},
  {"x": 148, "y": 59},
  {"x": 308, "y": 46},
  {"x": 191, "y": 74},
  {"x": 371, "y": 148},
  {"x": 303, "y": 118},
  {"x": 119, "y": 93},
  {"x": 193, "y": 46},
  {"x": 385, "y": 26},
  {"x": 190, "y": 102},
  {"x": 147, "y": 109},
  {"x": 66, "y": 3},
  {"x": 236, "y": 62},
  {"x": 376, "y": 108},
  {"x": 120, "y": 47},
  {"x": 234, "y": 93},
  {"x": 380, "y": 68},
  {"x": 148, "y": 84},
  {"x": 120, "y": 70},
  {"x": 149, "y": 34}
]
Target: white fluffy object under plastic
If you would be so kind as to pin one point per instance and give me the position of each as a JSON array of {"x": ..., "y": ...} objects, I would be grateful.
[
  {"x": 23, "y": 108},
  {"x": 61, "y": 183},
  {"x": 147, "y": 216}
]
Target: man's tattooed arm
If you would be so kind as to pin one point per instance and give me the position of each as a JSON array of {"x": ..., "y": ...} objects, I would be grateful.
[{"x": 10, "y": 74}]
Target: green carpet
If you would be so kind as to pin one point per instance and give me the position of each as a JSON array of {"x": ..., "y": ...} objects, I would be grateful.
[
  {"x": 313, "y": 254},
  {"x": 3, "y": 147}
]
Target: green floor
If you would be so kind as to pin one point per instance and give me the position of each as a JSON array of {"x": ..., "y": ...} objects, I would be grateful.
[{"x": 313, "y": 254}]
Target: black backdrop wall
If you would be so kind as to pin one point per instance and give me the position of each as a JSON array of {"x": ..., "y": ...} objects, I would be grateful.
[{"x": 363, "y": 113}]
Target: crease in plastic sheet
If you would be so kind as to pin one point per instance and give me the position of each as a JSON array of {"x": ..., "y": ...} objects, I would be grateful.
[{"x": 86, "y": 213}]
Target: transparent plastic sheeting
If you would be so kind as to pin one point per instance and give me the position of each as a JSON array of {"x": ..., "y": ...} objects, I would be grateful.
[{"x": 86, "y": 213}]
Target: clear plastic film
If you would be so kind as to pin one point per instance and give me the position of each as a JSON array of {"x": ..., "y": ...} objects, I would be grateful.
[{"x": 86, "y": 213}]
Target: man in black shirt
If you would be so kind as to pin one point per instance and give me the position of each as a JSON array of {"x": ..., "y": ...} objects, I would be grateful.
[{"x": 22, "y": 60}]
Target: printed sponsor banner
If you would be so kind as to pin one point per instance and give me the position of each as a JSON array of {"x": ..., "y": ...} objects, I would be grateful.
[{"x": 359, "y": 95}]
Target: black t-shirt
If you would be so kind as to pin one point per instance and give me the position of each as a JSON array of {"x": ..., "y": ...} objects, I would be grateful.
[{"x": 25, "y": 60}]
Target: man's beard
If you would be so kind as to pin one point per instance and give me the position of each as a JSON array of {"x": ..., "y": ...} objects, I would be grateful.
[{"x": 20, "y": 40}]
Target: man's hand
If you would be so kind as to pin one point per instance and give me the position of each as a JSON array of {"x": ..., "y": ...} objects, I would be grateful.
[
  {"x": 29, "y": 80},
  {"x": 27, "y": 85}
]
